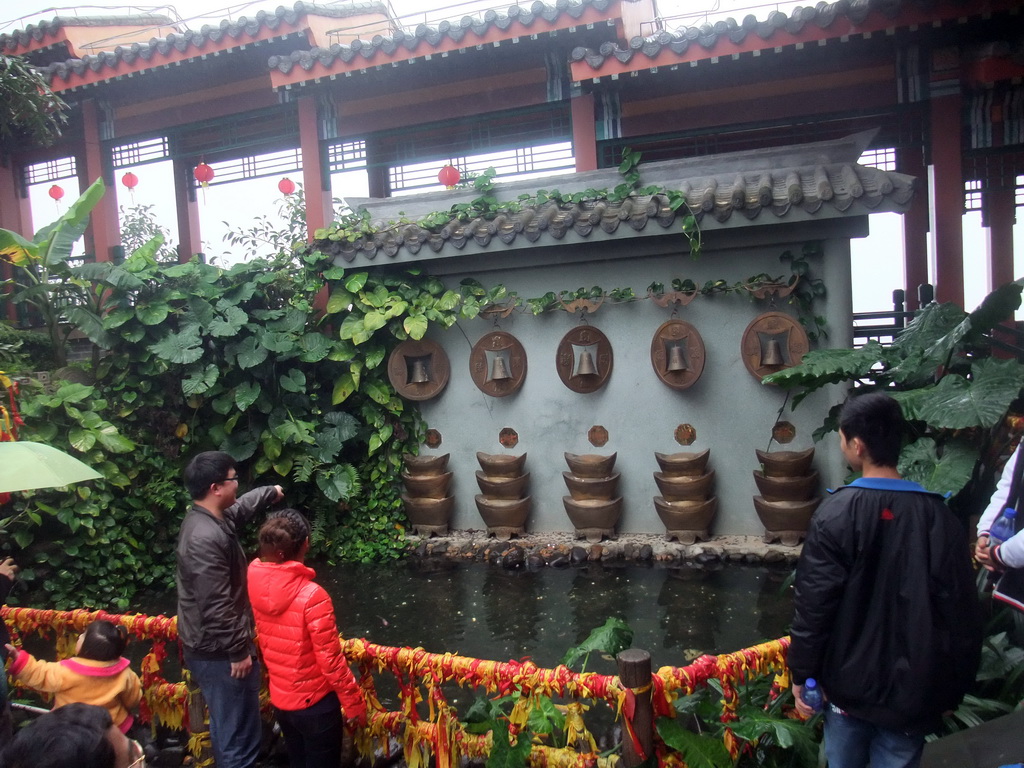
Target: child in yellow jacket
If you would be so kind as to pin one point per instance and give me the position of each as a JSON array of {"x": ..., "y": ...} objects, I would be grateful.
[{"x": 97, "y": 673}]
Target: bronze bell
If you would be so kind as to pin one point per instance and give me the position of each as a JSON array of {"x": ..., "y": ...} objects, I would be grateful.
[
  {"x": 419, "y": 374},
  {"x": 586, "y": 367},
  {"x": 772, "y": 356},
  {"x": 676, "y": 359},
  {"x": 499, "y": 370}
]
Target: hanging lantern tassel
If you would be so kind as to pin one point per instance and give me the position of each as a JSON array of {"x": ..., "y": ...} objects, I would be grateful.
[
  {"x": 131, "y": 181},
  {"x": 449, "y": 176},
  {"x": 56, "y": 193},
  {"x": 204, "y": 175}
]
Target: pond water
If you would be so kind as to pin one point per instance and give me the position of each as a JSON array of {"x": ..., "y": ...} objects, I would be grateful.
[{"x": 484, "y": 611}]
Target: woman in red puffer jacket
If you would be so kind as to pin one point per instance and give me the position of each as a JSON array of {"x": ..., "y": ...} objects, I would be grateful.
[{"x": 310, "y": 681}]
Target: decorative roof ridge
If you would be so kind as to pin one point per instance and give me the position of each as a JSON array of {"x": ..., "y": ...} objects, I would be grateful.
[
  {"x": 782, "y": 181},
  {"x": 434, "y": 35},
  {"x": 823, "y": 16}
]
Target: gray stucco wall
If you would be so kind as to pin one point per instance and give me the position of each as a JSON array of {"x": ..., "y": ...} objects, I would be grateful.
[{"x": 732, "y": 412}]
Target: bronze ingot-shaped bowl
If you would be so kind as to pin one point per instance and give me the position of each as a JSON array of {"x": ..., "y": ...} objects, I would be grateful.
[
  {"x": 676, "y": 464},
  {"x": 686, "y": 521},
  {"x": 581, "y": 488},
  {"x": 427, "y": 486},
  {"x": 684, "y": 487},
  {"x": 798, "y": 488},
  {"x": 501, "y": 464},
  {"x": 786, "y": 463},
  {"x": 593, "y": 513},
  {"x": 502, "y": 487},
  {"x": 432, "y": 512},
  {"x": 503, "y": 513},
  {"x": 425, "y": 465},
  {"x": 785, "y": 520},
  {"x": 590, "y": 464}
]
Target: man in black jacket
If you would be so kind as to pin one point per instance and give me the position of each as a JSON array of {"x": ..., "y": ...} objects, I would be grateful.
[
  {"x": 886, "y": 611},
  {"x": 215, "y": 624}
]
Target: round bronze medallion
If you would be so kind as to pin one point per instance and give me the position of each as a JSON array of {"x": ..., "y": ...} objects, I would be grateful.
[
  {"x": 584, "y": 359},
  {"x": 677, "y": 354},
  {"x": 773, "y": 341},
  {"x": 419, "y": 370},
  {"x": 498, "y": 364}
]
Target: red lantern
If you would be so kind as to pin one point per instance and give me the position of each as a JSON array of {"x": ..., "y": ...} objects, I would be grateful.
[
  {"x": 56, "y": 191},
  {"x": 449, "y": 176},
  {"x": 130, "y": 180},
  {"x": 203, "y": 173},
  {"x": 286, "y": 186}
]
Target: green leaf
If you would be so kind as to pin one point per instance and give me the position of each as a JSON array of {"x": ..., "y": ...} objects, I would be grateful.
[
  {"x": 415, "y": 326},
  {"x": 611, "y": 637},
  {"x": 356, "y": 282},
  {"x": 246, "y": 394},
  {"x": 279, "y": 342},
  {"x": 231, "y": 322},
  {"x": 698, "y": 750},
  {"x": 503, "y": 753},
  {"x": 152, "y": 314},
  {"x": 377, "y": 392},
  {"x": 81, "y": 440},
  {"x": 343, "y": 387},
  {"x": 956, "y": 403},
  {"x": 315, "y": 347},
  {"x": 928, "y": 326},
  {"x": 339, "y": 301},
  {"x": 293, "y": 381},
  {"x": 180, "y": 348},
  {"x": 113, "y": 441},
  {"x": 199, "y": 379},
  {"x": 920, "y": 462},
  {"x": 250, "y": 353},
  {"x": 820, "y": 367},
  {"x": 373, "y": 320},
  {"x": 351, "y": 326}
]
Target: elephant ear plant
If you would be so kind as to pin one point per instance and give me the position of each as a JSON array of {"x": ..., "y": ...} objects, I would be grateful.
[{"x": 953, "y": 391}]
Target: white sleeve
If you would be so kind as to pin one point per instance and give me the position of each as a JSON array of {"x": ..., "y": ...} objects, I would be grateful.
[
  {"x": 999, "y": 497},
  {"x": 1011, "y": 551}
]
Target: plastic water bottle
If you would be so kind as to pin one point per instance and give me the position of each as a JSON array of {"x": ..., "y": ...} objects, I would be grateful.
[
  {"x": 812, "y": 695},
  {"x": 1003, "y": 528}
]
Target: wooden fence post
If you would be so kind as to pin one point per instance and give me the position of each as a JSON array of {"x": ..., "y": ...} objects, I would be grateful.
[
  {"x": 635, "y": 674},
  {"x": 197, "y": 725}
]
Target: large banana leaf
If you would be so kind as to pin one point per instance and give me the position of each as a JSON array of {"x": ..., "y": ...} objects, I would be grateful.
[
  {"x": 959, "y": 403},
  {"x": 949, "y": 473}
]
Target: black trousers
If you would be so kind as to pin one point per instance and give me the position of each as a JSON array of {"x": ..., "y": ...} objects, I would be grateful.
[{"x": 313, "y": 735}]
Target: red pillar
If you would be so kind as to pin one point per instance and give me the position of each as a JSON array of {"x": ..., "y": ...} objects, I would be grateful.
[
  {"x": 915, "y": 225},
  {"x": 946, "y": 192},
  {"x": 584, "y": 132},
  {"x": 15, "y": 215},
  {"x": 104, "y": 230},
  {"x": 998, "y": 215},
  {"x": 315, "y": 181},
  {"x": 189, "y": 234}
]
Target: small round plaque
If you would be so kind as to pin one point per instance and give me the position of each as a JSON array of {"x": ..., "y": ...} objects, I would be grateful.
[
  {"x": 773, "y": 341},
  {"x": 419, "y": 370},
  {"x": 677, "y": 354},
  {"x": 498, "y": 364},
  {"x": 584, "y": 359}
]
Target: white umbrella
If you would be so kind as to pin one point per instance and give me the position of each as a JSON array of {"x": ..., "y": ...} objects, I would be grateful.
[{"x": 25, "y": 465}]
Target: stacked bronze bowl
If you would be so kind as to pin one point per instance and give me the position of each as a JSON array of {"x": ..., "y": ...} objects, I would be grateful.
[
  {"x": 787, "y": 500},
  {"x": 501, "y": 501},
  {"x": 427, "y": 503},
  {"x": 592, "y": 504},
  {"x": 686, "y": 505}
]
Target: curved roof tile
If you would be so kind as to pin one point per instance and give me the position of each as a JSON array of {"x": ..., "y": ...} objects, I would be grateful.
[{"x": 775, "y": 193}]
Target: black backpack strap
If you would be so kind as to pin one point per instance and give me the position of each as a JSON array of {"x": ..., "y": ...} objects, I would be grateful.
[{"x": 1013, "y": 498}]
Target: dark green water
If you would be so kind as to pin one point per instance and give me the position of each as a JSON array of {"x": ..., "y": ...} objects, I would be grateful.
[{"x": 483, "y": 611}]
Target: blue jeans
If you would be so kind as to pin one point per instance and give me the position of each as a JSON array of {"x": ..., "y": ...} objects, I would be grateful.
[
  {"x": 313, "y": 734},
  {"x": 852, "y": 743},
  {"x": 234, "y": 707}
]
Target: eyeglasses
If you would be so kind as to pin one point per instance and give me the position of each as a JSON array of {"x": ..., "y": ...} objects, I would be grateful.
[{"x": 231, "y": 479}]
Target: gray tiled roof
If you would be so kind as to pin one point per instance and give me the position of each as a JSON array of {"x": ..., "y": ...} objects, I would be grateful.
[
  {"x": 707, "y": 36},
  {"x": 196, "y": 39},
  {"x": 434, "y": 36},
  {"x": 11, "y": 42},
  {"x": 738, "y": 186}
]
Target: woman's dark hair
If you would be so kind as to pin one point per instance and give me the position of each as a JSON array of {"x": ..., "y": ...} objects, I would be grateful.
[
  {"x": 72, "y": 735},
  {"x": 878, "y": 421},
  {"x": 282, "y": 536},
  {"x": 104, "y": 641}
]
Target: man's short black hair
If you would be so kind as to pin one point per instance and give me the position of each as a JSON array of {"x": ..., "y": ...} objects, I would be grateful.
[
  {"x": 72, "y": 736},
  {"x": 878, "y": 421},
  {"x": 205, "y": 469}
]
